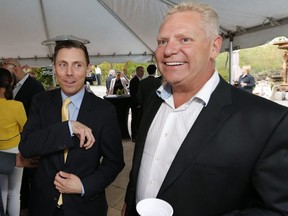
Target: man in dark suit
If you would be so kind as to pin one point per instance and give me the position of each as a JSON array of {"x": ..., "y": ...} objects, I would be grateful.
[
  {"x": 148, "y": 85},
  {"x": 135, "y": 106},
  {"x": 206, "y": 147},
  {"x": 24, "y": 90},
  {"x": 25, "y": 86},
  {"x": 95, "y": 154}
]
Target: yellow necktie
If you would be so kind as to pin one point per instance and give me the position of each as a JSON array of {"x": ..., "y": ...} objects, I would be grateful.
[{"x": 65, "y": 117}]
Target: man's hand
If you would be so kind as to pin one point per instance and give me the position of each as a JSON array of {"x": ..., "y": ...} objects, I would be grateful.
[
  {"x": 68, "y": 183},
  {"x": 84, "y": 134},
  {"x": 26, "y": 162}
]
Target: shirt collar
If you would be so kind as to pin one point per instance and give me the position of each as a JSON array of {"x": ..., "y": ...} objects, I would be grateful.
[
  {"x": 206, "y": 91},
  {"x": 21, "y": 82},
  {"x": 75, "y": 99},
  {"x": 204, "y": 94},
  {"x": 164, "y": 91}
]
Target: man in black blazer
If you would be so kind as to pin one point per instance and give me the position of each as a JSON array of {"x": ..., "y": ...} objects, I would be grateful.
[
  {"x": 24, "y": 90},
  {"x": 135, "y": 106},
  {"x": 206, "y": 147},
  {"x": 95, "y": 154},
  {"x": 148, "y": 85},
  {"x": 25, "y": 86}
]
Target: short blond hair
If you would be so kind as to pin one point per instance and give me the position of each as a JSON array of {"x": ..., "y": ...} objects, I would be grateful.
[
  {"x": 210, "y": 18},
  {"x": 247, "y": 68}
]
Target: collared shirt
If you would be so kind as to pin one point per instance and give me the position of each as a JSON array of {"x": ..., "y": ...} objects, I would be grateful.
[
  {"x": 98, "y": 70},
  {"x": 140, "y": 78},
  {"x": 74, "y": 106},
  {"x": 19, "y": 84},
  {"x": 166, "y": 134}
]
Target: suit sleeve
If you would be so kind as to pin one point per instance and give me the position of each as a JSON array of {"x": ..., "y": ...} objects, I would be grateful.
[
  {"x": 112, "y": 161},
  {"x": 270, "y": 177},
  {"x": 39, "y": 139}
]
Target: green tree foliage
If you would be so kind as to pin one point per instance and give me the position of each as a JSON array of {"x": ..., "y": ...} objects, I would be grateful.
[
  {"x": 44, "y": 75},
  {"x": 263, "y": 58}
]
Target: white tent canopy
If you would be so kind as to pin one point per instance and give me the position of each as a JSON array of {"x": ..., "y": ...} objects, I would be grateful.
[{"x": 120, "y": 30}]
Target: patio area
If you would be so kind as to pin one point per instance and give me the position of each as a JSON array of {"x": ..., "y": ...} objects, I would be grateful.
[{"x": 116, "y": 191}]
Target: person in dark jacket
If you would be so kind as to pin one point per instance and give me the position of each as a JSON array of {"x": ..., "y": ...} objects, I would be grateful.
[
  {"x": 79, "y": 157},
  {"x": 135, "y": 105},
  {"x": 246, "y": 80},
  {"x": 148, "y": 85},
  {"x": 206, "y": 147}
]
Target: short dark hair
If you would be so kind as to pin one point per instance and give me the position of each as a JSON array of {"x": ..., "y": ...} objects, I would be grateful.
[
  {"x": 151, "y": 69},
  {"x": 70, "y": 44}
]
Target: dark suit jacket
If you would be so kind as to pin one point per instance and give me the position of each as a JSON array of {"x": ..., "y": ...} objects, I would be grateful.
[
  {"x": 233, "y": 161},
  {"x": 45, "y": 135},
  {"x": 25, "y": 94},
  {"x": 249, "y": 80},
  {"x": 133, "y": 87},
  {"x": 146, "y": 87}
]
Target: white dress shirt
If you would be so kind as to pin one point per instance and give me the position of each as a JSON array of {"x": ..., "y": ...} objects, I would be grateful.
[{"x": 166, "y": 134}]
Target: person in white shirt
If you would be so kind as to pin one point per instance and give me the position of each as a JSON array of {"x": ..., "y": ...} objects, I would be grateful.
[
  {"x": 205, "y": 146},
  {"x": 98, "y": 74}
]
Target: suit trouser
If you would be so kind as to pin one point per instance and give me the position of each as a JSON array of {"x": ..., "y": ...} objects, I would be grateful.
[
  {"x": 28, "y": 174},
  {"x": 58, "y": 212}
]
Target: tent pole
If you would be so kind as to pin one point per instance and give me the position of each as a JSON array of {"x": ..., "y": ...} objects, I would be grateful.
[{"x": 230, "y": 58}]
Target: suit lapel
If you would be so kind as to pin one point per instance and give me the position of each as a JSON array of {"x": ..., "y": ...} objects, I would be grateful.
[
  {"x": 23, "y": 89},
  {"x": 205, "y": 127},
  {"x": 85, "y": 108},
  {"x": 55, "y": 96},
  {"x": 83, "y": 117},
  {"x": 146, "y": 121}
]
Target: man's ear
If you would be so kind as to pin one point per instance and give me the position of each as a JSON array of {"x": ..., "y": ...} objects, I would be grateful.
[
  {"x": 89, "y": 68},
  {"x": 216, "y": 46}
]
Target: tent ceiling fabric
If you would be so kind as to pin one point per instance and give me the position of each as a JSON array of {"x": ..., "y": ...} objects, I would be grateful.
[{"x": 120, "y": 30}]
